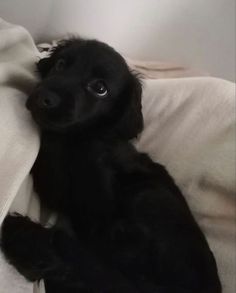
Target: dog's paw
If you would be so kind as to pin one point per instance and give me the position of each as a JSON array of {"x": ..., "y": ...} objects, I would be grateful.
[
  {"x": 12, "y": 226},
  {"x": 26, "y": 245}
]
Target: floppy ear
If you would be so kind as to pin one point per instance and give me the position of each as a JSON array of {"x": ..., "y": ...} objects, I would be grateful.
[
  {"x": 131, "y": 122},
  {"x": 44, "y": 66}
]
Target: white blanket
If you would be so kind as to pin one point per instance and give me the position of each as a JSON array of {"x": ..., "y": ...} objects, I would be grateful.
[
  {"x": 19, "y": 140},
  {"x": 189, "y": 126}
]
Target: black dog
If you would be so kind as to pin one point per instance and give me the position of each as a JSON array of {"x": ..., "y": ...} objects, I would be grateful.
[{"x": 134, "y": 230}]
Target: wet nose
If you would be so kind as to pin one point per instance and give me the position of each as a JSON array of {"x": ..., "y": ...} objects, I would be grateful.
[{"x": 48, "y": 99}]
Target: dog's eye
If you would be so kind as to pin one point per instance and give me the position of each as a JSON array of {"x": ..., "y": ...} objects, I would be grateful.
[
  {"x": 60, "y": 64},
  {"x": 98, "y": 88}
]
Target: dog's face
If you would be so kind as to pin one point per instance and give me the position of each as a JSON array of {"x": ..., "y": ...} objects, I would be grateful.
[{"x": 86, "y": 85}]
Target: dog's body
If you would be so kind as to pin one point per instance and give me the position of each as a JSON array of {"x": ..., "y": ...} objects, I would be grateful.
[{"x": 134, "y": 230}]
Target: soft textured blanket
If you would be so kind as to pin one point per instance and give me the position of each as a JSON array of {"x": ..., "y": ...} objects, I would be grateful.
[
  {"x": 189, "y": 127},
  {"x": 19, "y": 140}
]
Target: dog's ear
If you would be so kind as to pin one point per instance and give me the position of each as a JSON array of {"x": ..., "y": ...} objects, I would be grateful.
[
  {"x": 131, "y": 122},
  {"x": 44, "y": 66}
]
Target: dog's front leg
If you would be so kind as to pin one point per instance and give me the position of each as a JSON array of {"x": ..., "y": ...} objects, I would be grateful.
[
  {"x": 31, "y": 248},
  {"x": 41, "y": 253}
]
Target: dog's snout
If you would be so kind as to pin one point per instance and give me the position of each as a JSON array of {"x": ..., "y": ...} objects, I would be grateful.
[{"x": 47, "y": 99}]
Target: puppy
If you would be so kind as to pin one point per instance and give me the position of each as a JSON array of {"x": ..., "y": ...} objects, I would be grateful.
[{"x": 133, "y": 229}]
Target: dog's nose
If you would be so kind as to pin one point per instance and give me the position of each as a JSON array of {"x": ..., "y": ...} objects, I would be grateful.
[{"x": 48, "y": 100}]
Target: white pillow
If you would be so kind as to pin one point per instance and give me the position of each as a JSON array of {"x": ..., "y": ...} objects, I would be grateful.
[{"x": 190, "y": 128}]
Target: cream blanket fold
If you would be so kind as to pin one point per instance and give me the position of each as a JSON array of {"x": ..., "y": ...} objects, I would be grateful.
[{"x": 19, "y": 140}]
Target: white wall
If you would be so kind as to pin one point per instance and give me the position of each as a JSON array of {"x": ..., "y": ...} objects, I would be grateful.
[
  {"x": 32, "y": 14},
  {"x": 200, "y": 33}
]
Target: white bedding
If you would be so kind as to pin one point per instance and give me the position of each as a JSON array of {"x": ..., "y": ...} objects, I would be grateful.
[
  {"x": 19, "y": 140},
  {"x": 189, "y": 127}
]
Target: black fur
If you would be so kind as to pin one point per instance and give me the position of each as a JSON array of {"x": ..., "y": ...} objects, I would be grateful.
[{"x": 133, "y": 229}]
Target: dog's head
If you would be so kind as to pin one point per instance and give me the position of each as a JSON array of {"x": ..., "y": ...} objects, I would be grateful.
[{"x": 86, "y": 85}]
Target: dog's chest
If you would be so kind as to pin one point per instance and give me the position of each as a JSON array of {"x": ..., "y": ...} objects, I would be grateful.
[{"x": 75, "y": 176}]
